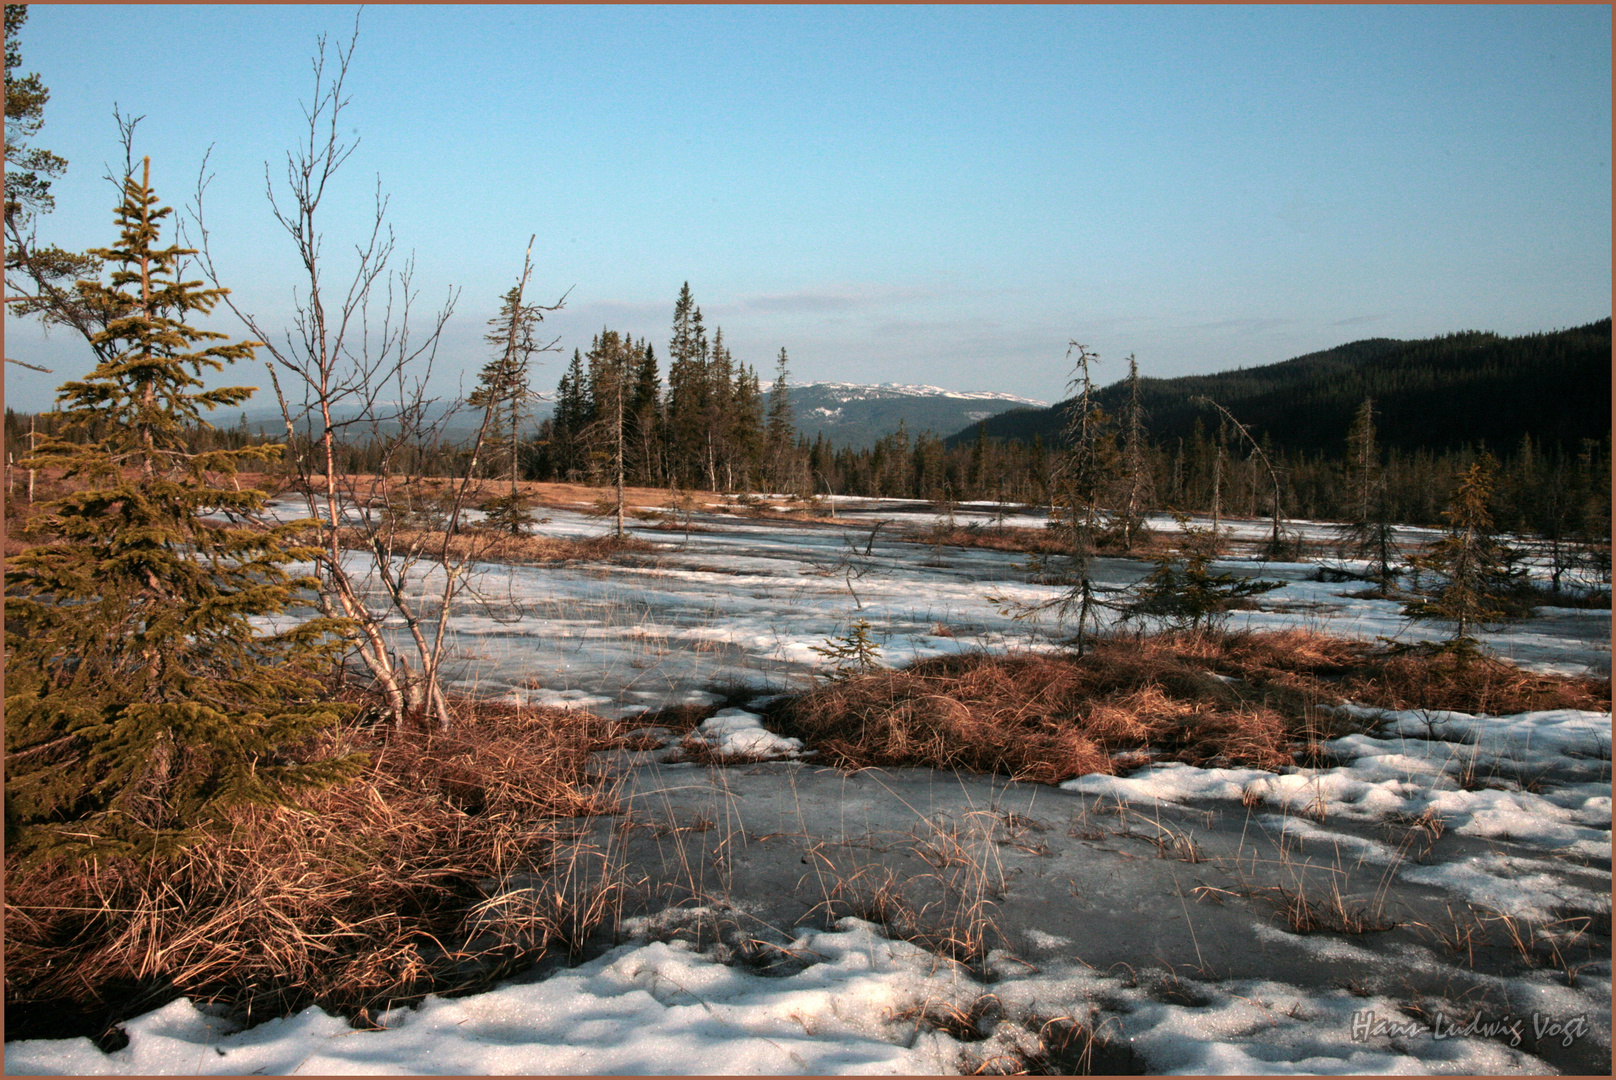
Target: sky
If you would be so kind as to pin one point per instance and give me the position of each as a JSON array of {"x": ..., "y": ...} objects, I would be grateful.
[{"x": 893, "y": 194}]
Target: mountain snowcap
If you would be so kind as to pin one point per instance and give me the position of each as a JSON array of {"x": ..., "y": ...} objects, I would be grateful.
[{"x": 841, "y": 391}]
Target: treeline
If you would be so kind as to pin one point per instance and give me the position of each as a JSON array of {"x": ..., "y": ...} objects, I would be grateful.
[
  {"x": 712, "y": 428},
  {"x": 711, "y": 425},
  {"x": 1210, "y": 469},
  {"x": 23, "y": 429}
]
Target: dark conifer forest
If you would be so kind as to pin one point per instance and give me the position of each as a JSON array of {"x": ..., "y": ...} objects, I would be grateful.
[
  {"x": 1539, "y": 403},
  {"x": 1438, "y": 395}
]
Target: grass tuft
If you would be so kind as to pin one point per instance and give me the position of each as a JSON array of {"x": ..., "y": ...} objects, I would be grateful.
[
  {"x": 1479, "y": 684},
  {"x": 1210, "y": 698}
]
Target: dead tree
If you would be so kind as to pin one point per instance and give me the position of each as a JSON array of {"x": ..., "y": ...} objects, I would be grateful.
[
  {"x": 1138, "y": 488},
  {"x": 1276, "y": 540},
  {"x": 353, "y": 371},
  {"x": 504, "y": 389}
]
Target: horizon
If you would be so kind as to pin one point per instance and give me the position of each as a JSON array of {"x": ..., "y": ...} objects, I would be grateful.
[{"x": 1205, "y": 188}]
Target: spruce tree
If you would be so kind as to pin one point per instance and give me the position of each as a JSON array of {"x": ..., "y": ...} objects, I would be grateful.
[
  {"x": 781, "y": 430},
  {"x": 573, "y": 413},
  {"x": 610, "y": 369},
  {"x": 1137, "y": 488},
  {"x": 1472, "y": 568},
  {"x": 718, "y": 412},
  {"x": 1087, "y": 471},
  {"x": 746, "y": 436},
  {"x": 142, "y": 701},
  {"x": 1183, "y": 593},
  {"x": 690, "y": 396},
  {"x": 645, "y": 417}
]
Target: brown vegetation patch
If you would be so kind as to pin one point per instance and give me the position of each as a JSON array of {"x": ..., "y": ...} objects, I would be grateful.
[
  {"x": 489, "y": 545},
  {"x": 1041, "y": 540},
  {"x": 1437, "y": 679},
  {"x": 376, "y": 893},
  {"x": 1017, "y": 538},
  {"x": 1209, "y": 698},
  {"x": 1043, "y": 718}
]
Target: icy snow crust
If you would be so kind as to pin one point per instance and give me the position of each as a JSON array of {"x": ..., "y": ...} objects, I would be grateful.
[
  {"x": 662, "y": 1009},
  {"x": 1151, "y": 906},
  {"x": 744, "y": 603}
]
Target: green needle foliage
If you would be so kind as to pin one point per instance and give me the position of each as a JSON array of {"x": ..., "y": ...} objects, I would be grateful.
[
  {"x": 143, "y": 700},
  {"x": 1184, "y": 594},
  {"x": 1473, "y": 568},
  {"x": 854, "y": 653}
]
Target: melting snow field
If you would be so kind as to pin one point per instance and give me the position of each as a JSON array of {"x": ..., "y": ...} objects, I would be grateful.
[
  {"x": 1433, "y": 899},
  {"x": 743, "y": 603}
]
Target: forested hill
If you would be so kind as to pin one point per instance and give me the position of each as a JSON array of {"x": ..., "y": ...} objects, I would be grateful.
[{"x": 1436, "y": 394}]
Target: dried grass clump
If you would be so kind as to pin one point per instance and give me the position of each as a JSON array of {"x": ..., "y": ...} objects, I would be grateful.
[
  {"x": 1273, "y": 653},
  {"x": 1201, "y": 698},
  {"x": 1474, "y": 683},
  {"x": 375, "y": 893},
  {"x": 970, "y": 712},
  {"x": 1047, "y": 718},
  {"x": 491, "y": 545}
]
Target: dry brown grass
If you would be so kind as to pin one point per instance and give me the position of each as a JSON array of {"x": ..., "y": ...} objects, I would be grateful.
[
  {"x": 490, "y": 545},
  {"x": 1018, "y": 538},
  {"x": 1037, "y": 540},
  {"x": 1425, "y": 679},
  {"x": 378, "y": 892},
  {"x": 1209, "y": 698}
]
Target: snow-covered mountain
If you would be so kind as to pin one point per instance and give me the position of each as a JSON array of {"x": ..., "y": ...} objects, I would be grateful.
[{"x": 857, "y": 414}]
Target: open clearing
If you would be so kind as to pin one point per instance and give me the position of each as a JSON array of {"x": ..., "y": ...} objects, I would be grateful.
[{"x": 1433, "y": 895}]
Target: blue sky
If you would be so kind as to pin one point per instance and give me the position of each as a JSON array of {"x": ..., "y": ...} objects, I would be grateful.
[{"x": 906, "y": 194}]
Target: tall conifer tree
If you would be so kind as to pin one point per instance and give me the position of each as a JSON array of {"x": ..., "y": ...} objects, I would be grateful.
[
  {"x": 781, "y": 431},
  {"x": 688, "y": 393},
  {"x": 645, "y": 417},
  {"x": 142, "y": 701},
  {"x": 572, "y": 415}
]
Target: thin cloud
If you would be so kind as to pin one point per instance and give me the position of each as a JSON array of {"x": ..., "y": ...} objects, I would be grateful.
[
  {"x": 1249, "y": 326},
  {"x": 836, "y": 298},
  {"x": 622, "y": 310}
]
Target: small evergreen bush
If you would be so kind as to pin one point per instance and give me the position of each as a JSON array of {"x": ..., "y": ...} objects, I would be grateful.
[
  {"x": 853, "y": 653},
  {"x": 1183, "y": 593}
]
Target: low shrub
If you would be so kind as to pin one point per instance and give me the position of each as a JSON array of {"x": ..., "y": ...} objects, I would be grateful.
[{"x": 376, "y": 892}]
